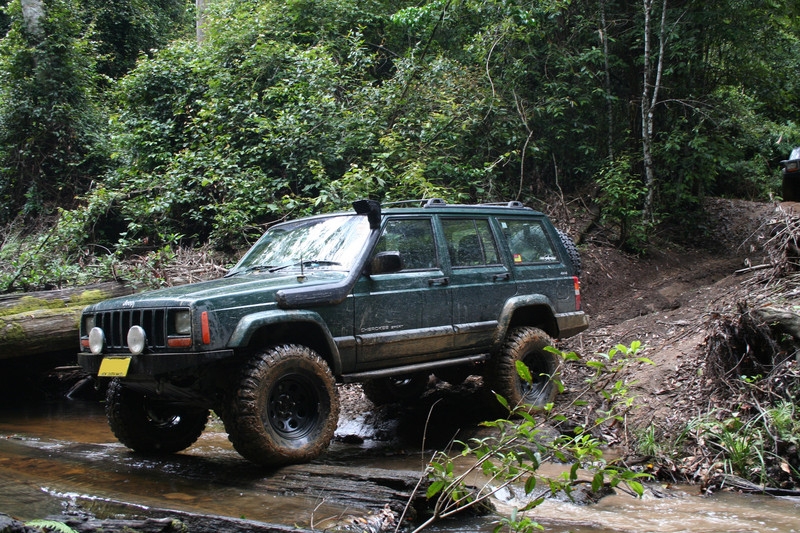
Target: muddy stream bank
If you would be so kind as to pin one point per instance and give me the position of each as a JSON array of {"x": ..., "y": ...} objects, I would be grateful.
[{"x": 59, "y": 456}]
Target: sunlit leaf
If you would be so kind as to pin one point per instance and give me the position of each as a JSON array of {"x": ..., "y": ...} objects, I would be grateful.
[
  {"x": 573, "y": 471},
  {"x": 597, "y": 481},
  {"x": 434, "y": 489},
  {"x": 530, "y": 484},
  {"x": 636, "y": 487},
  {"x": 524, "y": 372}
]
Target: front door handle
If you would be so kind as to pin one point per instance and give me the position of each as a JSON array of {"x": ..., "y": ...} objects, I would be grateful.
[
  {"x": 505, "y": 276},
  {"x": 439, "y": 281}
]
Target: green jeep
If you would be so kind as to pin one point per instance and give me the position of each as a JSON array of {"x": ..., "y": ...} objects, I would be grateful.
[{"x": 383, "y": 297}]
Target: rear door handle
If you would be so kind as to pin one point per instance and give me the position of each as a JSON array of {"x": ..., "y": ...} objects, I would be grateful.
[
  {"x": 439, "y": 281},
  {"x": 505, "y": 276}
]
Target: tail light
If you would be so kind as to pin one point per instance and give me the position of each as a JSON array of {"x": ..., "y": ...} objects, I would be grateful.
[{"x": 577, "y": 284}]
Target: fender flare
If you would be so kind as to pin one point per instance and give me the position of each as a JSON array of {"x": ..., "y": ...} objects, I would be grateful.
[
  {"x": 518, "y": 302},
  {"x": 248, "y": 325}
]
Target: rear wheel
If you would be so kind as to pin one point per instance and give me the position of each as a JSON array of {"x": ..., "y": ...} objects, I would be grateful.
[
  {"x": 286, "y": 407},
  {"x": 152, "y": 426},
  {"x": 526, "y": 344}
]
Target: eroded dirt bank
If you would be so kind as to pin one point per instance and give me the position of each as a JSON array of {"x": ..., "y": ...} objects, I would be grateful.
[{"x": 686, "y": 304}]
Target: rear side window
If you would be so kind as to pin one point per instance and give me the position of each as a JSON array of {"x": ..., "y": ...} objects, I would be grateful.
[
  {"x": 413, "y": 238},
  {"x": 528, "y": 242},
  {"x": 470, "y": 242}
]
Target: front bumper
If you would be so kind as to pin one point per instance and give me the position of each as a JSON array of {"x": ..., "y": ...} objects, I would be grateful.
[{"x": 155, "y": 364}]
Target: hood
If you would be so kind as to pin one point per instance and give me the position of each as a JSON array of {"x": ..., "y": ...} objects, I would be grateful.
[{"x": 224, "y": 292}]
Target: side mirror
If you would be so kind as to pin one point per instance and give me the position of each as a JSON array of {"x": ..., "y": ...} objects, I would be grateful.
[{"x": 386, "y": 263}]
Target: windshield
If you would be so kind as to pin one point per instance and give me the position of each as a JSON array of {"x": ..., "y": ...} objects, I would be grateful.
[
  {"x": 795, "y": 154},
  {"x": 327, "y": 242}
]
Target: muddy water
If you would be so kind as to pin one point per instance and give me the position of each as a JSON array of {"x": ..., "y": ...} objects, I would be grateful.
[{"x": 59, "y": 455}]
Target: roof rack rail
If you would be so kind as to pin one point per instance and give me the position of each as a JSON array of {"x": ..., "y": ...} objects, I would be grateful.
[
  {"x": 512, "y": 203},
  {"x": 439, "y": 202},
  {"x": 424, "y": 202}
]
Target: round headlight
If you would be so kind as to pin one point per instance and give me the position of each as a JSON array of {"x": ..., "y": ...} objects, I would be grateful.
[
  {"x": 137, "y": 340},
  {"x": 97, "y": 340}
]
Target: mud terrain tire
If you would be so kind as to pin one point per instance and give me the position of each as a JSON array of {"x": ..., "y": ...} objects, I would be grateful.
[
  {"x": 395, "y": 389},
  {"x": 572, "y": 251},
  {"x": 286, "y": 407},
  {"x": 150, "y": 426},
  {"x": 526, "y": 344}
]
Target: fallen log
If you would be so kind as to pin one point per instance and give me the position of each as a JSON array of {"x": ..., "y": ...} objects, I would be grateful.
[
  {"x": 742, "y": 485},
  {"x": 18, "y": 302},
  {"x": 782, "y": 320},
  {"x": 47, "y": 321},
  {"x": 358, "y": 488},
  {"x": 159, "y": 521}
]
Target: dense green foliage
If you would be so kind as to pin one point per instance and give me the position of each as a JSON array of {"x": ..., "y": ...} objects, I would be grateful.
[
  {"x": 302, "y": 105},
  {"x": 54, "y": 136}
]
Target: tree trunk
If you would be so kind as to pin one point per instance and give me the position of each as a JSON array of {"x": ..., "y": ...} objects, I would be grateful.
[
  {"x": 607, "y": 71},
  {"x": 200, "y": 19},
  {"x": 32, "y": 14},
  {"x": 47, "y": 321},
  {"x": 650, "y": 90}
]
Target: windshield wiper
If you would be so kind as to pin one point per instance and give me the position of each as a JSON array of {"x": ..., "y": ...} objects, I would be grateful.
[
  {"x": 252, "y": 268},
  {"x": 306, "y": 263}
]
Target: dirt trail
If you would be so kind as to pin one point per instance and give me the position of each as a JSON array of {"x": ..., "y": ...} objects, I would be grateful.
[{"x": 666, "y": 300}]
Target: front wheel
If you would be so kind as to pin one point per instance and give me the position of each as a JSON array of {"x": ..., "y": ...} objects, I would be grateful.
[
  {"x": 285, "y": 409},
  {"x": 526, "y": 344},
  {"x": 151, "y": 426}
]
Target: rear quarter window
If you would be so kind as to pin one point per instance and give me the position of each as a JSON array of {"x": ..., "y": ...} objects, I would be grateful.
[{"x": 528, "y": 242}]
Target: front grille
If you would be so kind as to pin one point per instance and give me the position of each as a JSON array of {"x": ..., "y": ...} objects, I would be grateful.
[{"x": 115, "y": 325}]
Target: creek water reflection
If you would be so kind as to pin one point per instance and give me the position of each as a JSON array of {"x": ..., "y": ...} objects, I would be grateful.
[{"x": 52, "y": 452}]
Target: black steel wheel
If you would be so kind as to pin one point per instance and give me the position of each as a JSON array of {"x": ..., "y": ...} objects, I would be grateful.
[
  {"x": 285, "y": 409},
  {"x": 149, "y": 425},
  {"x": 526, "y": 344}
]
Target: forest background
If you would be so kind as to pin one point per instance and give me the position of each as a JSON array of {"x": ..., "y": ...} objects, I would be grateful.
[{"x": 146, "y": 126}]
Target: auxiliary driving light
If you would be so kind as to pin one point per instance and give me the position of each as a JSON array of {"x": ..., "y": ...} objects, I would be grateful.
[
  {"x": 97, "y": 340},
  {"x": 137, "y": 340}
]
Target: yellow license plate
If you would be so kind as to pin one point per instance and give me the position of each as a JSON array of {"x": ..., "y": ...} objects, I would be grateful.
[{"x": 114, "y": 367}]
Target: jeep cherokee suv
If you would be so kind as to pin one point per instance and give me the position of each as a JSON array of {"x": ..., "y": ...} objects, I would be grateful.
[
  {"x": 383, "y": 297},
  {"x": 790, "y": 172}
]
